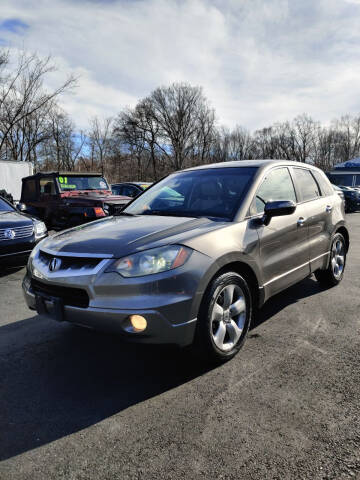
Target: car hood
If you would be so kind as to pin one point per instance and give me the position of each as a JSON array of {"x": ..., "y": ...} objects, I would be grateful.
[
  {"x": 14, "y": 219},
  {"x": 119, "y": 236}
]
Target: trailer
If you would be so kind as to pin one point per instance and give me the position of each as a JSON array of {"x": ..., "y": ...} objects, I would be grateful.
[{"x": 11, "y": 174}]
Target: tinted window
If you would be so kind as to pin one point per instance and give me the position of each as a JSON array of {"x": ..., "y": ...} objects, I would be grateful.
[
  {"x": 47, "y": 186},
  {"x": 309, "y": 189},
  {"x": 276, "y": 186},
  {"x": 213, "y": 192},
  {"x": 29, "y": 190},
  {"x": 323, "y": 182},
  {"x": 5, "y": 207}
]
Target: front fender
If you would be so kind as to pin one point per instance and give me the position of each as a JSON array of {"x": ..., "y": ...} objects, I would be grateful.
[{"x": 234, "y": 260}]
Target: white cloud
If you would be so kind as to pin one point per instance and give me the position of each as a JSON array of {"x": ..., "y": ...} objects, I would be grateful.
[{"x": 259, "y": 61}]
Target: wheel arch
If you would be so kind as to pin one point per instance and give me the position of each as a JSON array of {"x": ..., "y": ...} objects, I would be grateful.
[{"x": 236, "y": 265}]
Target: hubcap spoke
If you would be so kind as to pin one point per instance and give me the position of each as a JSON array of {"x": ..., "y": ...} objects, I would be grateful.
[
  {"x": 228, "y": 296},
  {"x": 217, "y": 313},
  {"x": 234, "y": 332},
  {"x": 219, "y": 335},
  {"x": 237, "y": 307}
]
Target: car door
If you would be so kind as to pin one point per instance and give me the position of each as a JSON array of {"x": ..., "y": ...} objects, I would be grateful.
[
  {"x": 319, "y": 209},
  {"x": 284, "y": 246}
]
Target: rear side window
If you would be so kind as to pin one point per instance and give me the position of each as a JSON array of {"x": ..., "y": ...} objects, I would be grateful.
[
  {"x": 323, "y": 182},
  {"x": 116, "y": 190},
  {"x": 130, "y": 191},
  {"x": 307, "y": 185},
  {"x": 29, "y": 190},
  {"x": 277, "y": 185},
  {"x": 47, "y": 186}
]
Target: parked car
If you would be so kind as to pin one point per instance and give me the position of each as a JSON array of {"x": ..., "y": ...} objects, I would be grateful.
[
  {"x": 19, "y": 233},
  {"x": 190, "y": 260},
  {"x": 351, "y": 197},
  {"x": 129, "y": 189},
  {"x": 63, "y": 199}
]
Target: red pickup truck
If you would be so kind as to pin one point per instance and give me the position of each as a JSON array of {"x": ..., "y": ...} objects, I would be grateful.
[{"x": 66, "y": 199}]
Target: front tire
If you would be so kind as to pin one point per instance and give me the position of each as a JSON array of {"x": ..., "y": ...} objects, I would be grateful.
[
  {"x": 335, "y": 271},
  {"x": 224, "y": 318}
]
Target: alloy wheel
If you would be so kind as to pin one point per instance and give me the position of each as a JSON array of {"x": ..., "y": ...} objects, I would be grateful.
[
  {"x": 228, "y": 317},
  {"x": 338, "y": 258}
]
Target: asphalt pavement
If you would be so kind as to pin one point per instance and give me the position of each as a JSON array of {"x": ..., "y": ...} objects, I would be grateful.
[{"x": 78, "y": 404}]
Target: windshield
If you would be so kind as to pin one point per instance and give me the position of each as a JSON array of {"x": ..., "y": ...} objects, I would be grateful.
[
  {"x": 215, "y": 192},
  {"x": 5, "y": 207},
  {"x": 75, "y": 182}
]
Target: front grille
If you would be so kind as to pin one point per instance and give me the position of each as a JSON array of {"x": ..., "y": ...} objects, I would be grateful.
[
  {"x": 19, "y": 232},
  {"x": 70, "y": 263},
  {"x": 75, "y": 297}
]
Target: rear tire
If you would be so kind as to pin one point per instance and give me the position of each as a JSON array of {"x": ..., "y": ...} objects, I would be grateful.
[
  {"x": 335, "y": 271},
  {"x": 224, "y": 318}
]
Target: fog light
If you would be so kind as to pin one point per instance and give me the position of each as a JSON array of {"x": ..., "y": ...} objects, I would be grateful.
[{"x": 138, "y": 322}]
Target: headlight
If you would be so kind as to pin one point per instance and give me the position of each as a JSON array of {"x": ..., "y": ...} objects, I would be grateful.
[
  {"x": 40, "y": 229},
  {"x": 151, "y": 261}
]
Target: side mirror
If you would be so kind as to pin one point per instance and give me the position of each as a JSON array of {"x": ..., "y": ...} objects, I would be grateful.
[
  {"x": 278, "y": 209},
  {"x": 21, "y": 207}
]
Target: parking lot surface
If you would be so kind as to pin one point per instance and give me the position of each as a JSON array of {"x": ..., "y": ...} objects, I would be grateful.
[{"x": 78, "y": 404}]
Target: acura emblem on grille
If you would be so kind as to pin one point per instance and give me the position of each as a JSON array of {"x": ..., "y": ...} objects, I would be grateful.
[
  {"x": 55, "y": 264},
  {"x": 9, "y": 234}
]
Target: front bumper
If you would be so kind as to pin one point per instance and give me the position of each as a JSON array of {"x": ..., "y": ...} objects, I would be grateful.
[
  {"x": 159, "y": 329},
  {"x": 104, "y": 301}
]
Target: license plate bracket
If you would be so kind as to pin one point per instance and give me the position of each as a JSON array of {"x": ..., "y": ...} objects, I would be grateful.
[{"x": 51, "y": 306}]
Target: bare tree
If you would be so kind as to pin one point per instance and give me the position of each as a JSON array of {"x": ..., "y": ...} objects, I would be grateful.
[
  {"x": 181, "y": 111},
  {"x": 22, "y": 93},
  {"x": 347, "y": 145},
  {"x": 140, "y": 135},
  {"x": 63, "y": 146},
  {"x": 100, "y": 139},
  {"x": 304, "y": 130}
]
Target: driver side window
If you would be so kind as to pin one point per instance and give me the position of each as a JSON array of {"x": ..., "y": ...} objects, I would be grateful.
[{"x": 277, "y": 185}]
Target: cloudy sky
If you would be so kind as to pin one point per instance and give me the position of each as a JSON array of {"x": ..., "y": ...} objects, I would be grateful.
[{"x": 259, "y": 61}]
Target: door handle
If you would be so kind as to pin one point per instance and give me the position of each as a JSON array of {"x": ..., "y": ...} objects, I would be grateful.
[
  {"x": 301, "y": 221},
  {"x": 328, "y": 208}
]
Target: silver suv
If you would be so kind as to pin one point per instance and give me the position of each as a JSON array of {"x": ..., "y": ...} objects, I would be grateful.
[{"x": 191, "y": 258}]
